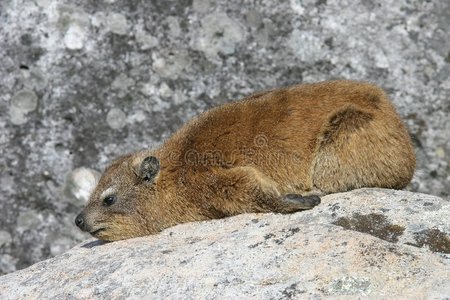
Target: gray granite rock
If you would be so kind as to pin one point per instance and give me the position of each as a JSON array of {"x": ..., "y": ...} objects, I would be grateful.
[
  {"x": 85, "y": 81},
  {"x": 369, "y": 243}
]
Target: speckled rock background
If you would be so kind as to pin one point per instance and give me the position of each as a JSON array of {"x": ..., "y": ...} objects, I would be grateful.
[
  {"x": 364, "y": 244},
  {"x": 84, "y": 81}
]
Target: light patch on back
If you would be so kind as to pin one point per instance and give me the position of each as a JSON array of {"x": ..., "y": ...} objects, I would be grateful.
[{"x": 108, "y": 192}]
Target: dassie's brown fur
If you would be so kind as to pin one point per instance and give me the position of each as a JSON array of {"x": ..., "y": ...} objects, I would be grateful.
[{"x": 269, "y": 152}]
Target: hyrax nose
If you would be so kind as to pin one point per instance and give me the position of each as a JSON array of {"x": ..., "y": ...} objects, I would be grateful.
[{"x": 79, "y": 221}]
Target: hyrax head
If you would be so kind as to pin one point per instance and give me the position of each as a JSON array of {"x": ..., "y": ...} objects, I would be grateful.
[{"x": 124, "y": 203}]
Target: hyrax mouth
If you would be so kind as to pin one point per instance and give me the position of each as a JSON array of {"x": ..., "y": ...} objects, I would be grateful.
[{"x": 97, "y": 231}]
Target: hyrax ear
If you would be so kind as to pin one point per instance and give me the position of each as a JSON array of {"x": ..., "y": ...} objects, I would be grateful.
[{"x": 149, "y": 168}]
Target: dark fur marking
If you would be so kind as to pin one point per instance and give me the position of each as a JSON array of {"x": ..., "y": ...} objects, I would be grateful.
[
  {"x": 373, "y": 100},
  {"x": 348, "y": 120}
]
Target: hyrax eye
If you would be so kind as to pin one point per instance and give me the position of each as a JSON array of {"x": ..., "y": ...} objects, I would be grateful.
[{"x": 108, "y": 201}]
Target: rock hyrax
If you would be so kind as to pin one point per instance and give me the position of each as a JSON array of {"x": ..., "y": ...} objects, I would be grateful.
[{"x": 274, "y": 151}]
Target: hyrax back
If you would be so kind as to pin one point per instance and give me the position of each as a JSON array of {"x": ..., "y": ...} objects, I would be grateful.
[{"x": 272, "y": 151}]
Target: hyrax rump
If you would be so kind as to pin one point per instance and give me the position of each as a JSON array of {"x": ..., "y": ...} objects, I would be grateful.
[{"x": 273, "y": 151}]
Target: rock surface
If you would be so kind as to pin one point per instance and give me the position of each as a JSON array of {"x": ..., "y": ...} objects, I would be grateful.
[
  {"x": 85, "y": 81},
  {"x": 366, "y": 243}
]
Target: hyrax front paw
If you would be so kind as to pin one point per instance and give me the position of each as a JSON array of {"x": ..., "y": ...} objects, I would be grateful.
[{"x": 300, "y": 202}]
